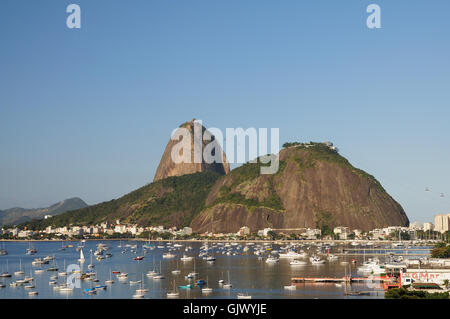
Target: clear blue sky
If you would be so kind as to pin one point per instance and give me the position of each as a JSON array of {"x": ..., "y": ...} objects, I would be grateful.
[{"x": 88, "y": 112}]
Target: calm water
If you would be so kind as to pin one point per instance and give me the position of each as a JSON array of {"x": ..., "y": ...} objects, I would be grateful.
[{"x": 248, "y": 274}]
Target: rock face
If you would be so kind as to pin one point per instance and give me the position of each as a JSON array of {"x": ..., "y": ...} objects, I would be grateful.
[
  {"x": 167, "y": 167},
  {"x": 315, "y": 187}
]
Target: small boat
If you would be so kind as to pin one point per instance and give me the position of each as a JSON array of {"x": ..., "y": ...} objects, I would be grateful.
[
  {"x": 110, "y": 281},
  {"x": 5, "y": 274},
  {"x": 91, "y": 265},
  {"x": 31, "y": 250},
  {"x": 89, "y": 291},
  {"x": 168, "y": 255},
  {"x": 190, "y": 286},
  {"x": 332, "y": 257},
  {"x": 272, "y": 260},
  {"x": 207, "y": 289},
  {"x": 243, "y": 296},
  {"x": 138, "y": 258},
  {"x": 33, "y": 293},
  {"x": 20, "y": 272},
  {"x": 101, "y": 287},
  {"x": 290, "y": 287},
  {"x": 296, "y": 262},
  {"x": 315, "y": 260},
  {"x": 201, "y": 282},
  {"x": 138, "y": 296},
  {"x": 290, "y": 254},
  {"x": 174, "y": 293},
  {"x": 186, "y": 258},
  {"x": 228, "y": 285},
  {"x": 122, "y": 276},
  {"x": 63, "y": 273}
]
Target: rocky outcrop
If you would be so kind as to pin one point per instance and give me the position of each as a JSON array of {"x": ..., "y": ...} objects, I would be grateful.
[
  {"x": 314, "y": 187},
  {"x": 167, "y": 167}
]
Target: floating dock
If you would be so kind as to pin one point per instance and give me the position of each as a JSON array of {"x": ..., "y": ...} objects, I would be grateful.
[{"x": 298, "y": 280}]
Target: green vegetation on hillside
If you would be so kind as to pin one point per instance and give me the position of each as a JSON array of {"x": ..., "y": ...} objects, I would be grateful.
[
  {"x": 322, "y": 152},
  {"x": 246, "y": 173},
  {"x": 166, "y": 202}
]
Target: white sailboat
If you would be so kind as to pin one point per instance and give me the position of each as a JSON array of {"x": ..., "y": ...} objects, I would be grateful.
[
  {"x": 176, "y": 271},
  {"x": 142, "y": 290},
  {"x": 81, "y": 259},
  {"x": 174, "y": 293},
  {"x": 110, "y": 281},
  {"x": 228, "y": 285},
  {"x": 91, "y": 265},
  {"x": 63, "y": 273},
  {"x": 20, "y": 272},
  {"x": 207, "y": 289}
]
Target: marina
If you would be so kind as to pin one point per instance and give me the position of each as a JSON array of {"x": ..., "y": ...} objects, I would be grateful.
[{"x": 230, "y": 270}]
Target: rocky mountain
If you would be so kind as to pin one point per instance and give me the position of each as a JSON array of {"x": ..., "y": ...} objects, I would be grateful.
[
  {"x": 167, "y": 167},
  {"x": 19, "y": 215},
  {"x": 173, "y": 201},
  {"x": 314, "y": 187}
]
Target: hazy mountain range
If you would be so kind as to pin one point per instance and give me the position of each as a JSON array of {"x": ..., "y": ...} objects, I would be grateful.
[{"x": 17, "y": 215}]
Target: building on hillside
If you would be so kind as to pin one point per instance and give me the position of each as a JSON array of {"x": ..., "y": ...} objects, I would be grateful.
[
  {"x": 187, "y": 231},
  {"x": 243, "y": 231},
  {"x": 342, "y": 232}
]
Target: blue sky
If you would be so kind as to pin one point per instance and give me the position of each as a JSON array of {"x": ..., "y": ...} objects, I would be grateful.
[{"x": 88, "y": 112}]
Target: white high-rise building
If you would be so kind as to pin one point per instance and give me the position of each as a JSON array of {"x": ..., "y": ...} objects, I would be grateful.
[{"x": 441, "y": 223}]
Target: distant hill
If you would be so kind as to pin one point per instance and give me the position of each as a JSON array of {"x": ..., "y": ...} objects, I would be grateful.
[
  {"x": 173, "y": 201},
  {"x": 17, "y": 215}
]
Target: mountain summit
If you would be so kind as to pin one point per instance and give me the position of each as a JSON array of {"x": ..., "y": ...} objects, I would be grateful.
[{"x": 167, "y": 167}]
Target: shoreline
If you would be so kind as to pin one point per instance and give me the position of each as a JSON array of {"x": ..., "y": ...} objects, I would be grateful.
[{"x": 215, "y": 240}]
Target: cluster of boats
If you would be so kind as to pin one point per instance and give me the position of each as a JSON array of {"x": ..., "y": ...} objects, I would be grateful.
[{"x": 297, "y": 254}]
